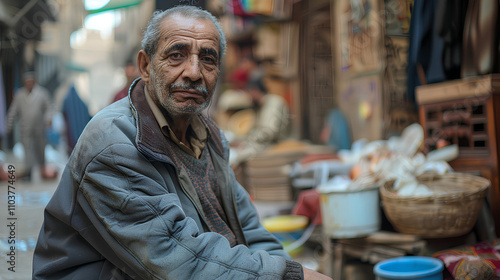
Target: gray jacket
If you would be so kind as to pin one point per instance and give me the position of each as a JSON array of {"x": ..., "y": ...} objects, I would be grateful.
[{"x": 123, "y": 211}]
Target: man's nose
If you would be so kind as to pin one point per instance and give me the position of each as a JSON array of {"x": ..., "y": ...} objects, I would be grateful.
[{"x": 192, "y": 69}]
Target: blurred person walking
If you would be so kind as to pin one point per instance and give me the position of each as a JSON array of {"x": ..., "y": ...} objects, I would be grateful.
[
  {"x": 148, "y": 192},
  {"x": 32, "y": 108},
  {"x": 76, "y": 116}
]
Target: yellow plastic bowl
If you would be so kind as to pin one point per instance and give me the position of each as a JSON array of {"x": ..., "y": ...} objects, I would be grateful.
[{"x": 285, "y": 223}]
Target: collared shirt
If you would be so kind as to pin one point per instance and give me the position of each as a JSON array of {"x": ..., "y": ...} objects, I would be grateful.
[{"x": 197, "y": 131}]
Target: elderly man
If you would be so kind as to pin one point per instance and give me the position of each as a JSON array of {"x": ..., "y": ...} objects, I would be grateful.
[{"x": 148, "y": 192}]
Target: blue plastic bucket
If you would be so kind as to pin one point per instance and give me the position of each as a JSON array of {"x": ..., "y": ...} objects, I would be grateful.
[
  {"x": 288, "y": 229},
  {"x": 409, "y": 267}
]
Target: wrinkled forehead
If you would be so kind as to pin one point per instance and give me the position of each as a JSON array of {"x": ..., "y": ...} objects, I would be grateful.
[{"x": 182, "y": 27}]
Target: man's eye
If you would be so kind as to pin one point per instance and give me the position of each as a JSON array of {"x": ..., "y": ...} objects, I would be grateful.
[
  {"x": 175, "y": 56},
  {"x": 208, "y": 59}
]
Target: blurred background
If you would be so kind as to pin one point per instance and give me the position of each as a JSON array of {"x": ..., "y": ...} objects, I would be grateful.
[
  {"x": 305, "y": 46},
  {"x": 345, "y": 71}
]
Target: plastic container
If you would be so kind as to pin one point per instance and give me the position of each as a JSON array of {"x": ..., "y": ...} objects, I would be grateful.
[
  {"x": 288, "y": 229},
  {"x": 409, "y": 267},
  {"x": 350, "y": 214}
]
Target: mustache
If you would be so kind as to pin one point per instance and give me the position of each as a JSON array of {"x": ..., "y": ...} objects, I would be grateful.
[{"x": 188, "y": 85}]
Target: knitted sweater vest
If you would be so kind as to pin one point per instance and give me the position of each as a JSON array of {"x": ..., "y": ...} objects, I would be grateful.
[{"x": 202, "y": 174}]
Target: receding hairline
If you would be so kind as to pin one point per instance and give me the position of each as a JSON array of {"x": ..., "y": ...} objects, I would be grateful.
[
  {"x": 189, "y": 17},
  {"x": 180, "y": 15},
  {"x": 155, "y": 27}
]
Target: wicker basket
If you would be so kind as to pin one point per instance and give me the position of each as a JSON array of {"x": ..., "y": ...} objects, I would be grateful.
[{"x": 451, "y": 212}]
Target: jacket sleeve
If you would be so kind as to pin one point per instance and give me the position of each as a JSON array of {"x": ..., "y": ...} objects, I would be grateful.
[
  {"x": 133, "y": 213},
  {"x": 258, "y": 237}
]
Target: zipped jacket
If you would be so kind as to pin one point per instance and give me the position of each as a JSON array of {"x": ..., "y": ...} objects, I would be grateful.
[{"x": 123, "y": 210}]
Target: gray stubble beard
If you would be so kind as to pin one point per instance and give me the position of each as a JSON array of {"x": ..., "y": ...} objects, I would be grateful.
[{"x": 169, "y": 103}]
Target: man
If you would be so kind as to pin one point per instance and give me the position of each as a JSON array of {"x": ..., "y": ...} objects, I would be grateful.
[
  {"x": 272, "y": 123},
  {"x": 31, "y": 106},
  {"x": 148, "y": 192}
]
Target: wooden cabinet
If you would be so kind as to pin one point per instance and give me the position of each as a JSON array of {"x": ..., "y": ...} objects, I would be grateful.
[{"x": 466, "y": 112}]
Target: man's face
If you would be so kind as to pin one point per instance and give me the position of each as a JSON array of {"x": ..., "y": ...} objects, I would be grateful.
[
  {"x": 29, "y": 83},
  {"x": 185, "y": 67}
]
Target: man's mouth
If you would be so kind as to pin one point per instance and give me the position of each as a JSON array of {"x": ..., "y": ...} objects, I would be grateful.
[
  {"x": 189, "y": 94},
  {"x": 189, "y": 89}
]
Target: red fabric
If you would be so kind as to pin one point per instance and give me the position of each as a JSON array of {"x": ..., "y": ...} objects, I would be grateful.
[
  {"x": 239, "y": 76},
  {"x": 479, "y": 261},
  {"x": 121, "y": 94},
  {"x": 308, "y": 205}
]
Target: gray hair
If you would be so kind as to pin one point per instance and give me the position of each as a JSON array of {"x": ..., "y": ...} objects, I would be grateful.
[
  {"x": 30, "y": 75},
  {"x": 151, "y": 37}
]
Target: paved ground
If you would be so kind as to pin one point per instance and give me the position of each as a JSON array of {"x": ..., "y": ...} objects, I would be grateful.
[{"x": 23, "y": 224}]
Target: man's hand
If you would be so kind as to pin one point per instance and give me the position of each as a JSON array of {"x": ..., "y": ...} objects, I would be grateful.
[{"x": 310, "y": 274}]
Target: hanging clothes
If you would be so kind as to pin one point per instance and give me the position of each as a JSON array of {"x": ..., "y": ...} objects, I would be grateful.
[
  {"x": 450, "y": 23},
  {"x": 425, "y": 63},
  {"x": 481, "y": 40},
  {"x": 238, "y": 8}
]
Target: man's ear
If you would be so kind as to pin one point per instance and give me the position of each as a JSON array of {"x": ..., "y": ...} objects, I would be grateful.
[{"x": 143, "y": 64}]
